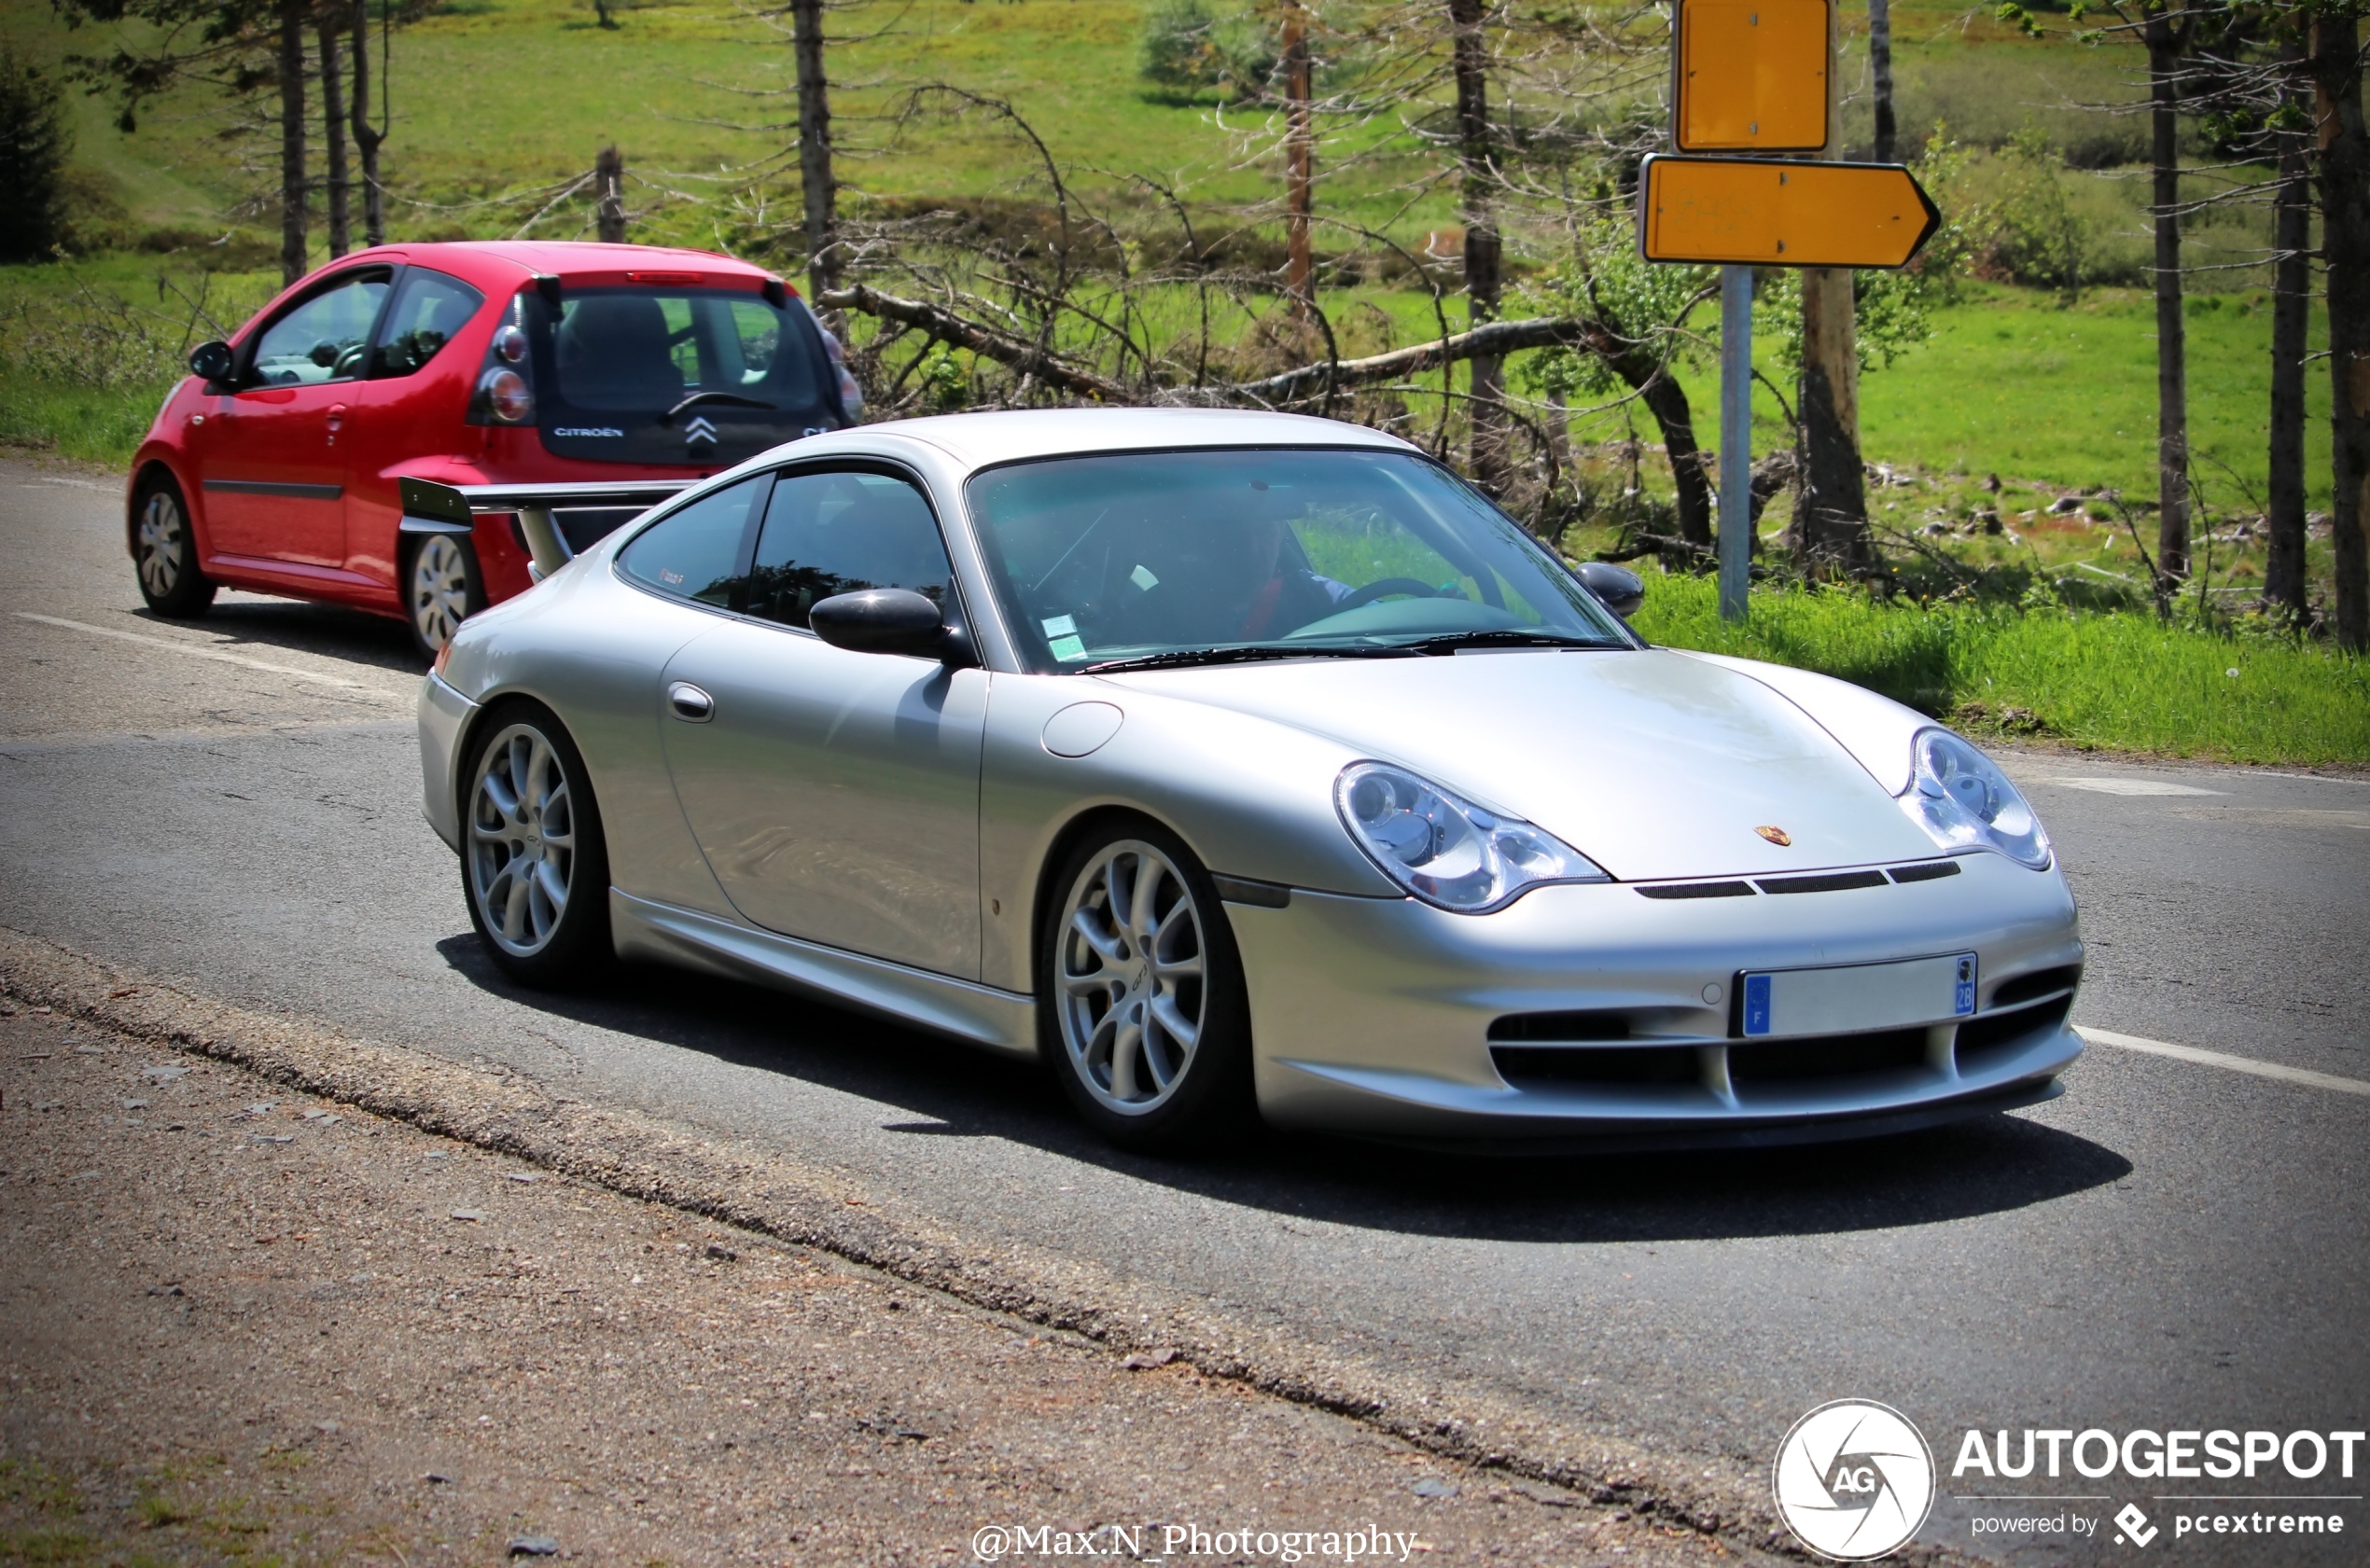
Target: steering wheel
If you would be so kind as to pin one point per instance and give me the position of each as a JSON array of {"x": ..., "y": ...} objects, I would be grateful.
[
  {"x": 350, "y": 362},
  {"x": 1383, "y": 587}
]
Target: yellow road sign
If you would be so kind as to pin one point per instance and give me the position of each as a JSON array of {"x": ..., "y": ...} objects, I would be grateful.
[
  {"x": 1764, "y": 213},
  {"x": 1750, "y": 76}
]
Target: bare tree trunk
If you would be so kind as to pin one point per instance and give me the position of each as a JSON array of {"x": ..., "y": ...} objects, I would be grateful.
[
  {"x": 1484, "y": 260},
  {"x": 2166, "y": 41},
  {"x": 1880, "y": 74},
  {"x": 1300, "y": 161},
  {"x": 292, "y": 181},
  {"x": 1667, "y": 400},
  {"x": 609, "y": 189},
  {"x": 1831, "y": 521},
  {"x": 2283, "y": 585},
  {"x": 367, "y": 137},
  {"x": 333, "y": 138},
  {"x": 2345, "y": 253},
  {"x": 816, "y": 183}
]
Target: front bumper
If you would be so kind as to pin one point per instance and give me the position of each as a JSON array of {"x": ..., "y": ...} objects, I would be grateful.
[
  {"x": 1373, "y": 1015},
  {"x": 444, "y": 715}
]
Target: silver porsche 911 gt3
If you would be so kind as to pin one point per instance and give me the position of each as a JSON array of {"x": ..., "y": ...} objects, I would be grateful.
[{"x": 1233, "y": 762}]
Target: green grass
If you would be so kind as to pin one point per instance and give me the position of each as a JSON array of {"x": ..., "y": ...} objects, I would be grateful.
[
  {"x": 2058, "y": 397},
  {"x": 2121, "y": 682}
]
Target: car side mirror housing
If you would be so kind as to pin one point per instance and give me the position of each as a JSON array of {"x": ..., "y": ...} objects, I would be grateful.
[
  {"x": 211, "y": 362},
  {"x": 882, "y": 620},
  {"x": 1622, "y": 590}
]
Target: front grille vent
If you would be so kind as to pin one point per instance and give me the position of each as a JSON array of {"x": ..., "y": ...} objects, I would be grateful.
[
  {"x": 1825, "y": 881},
  {"x": 1825, "y": 1056},
  {"x": 1526, "y": 1066},
  {"x": 1594, "y": 1024},
  {"x": 2040, "y": 983}
]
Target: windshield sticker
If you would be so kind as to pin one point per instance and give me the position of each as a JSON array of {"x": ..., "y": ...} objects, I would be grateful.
[
  {"x": 1068, "y": 650},
  {"x": 1142, "y": 577},
  {"x": 1061, "y": 626}
]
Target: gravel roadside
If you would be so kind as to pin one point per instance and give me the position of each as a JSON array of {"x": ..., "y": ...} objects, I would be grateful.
[{"x": 245, "y": 1324}]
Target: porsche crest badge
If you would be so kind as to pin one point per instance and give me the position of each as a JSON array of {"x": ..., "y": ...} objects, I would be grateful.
[{"x": 1777, "y": 836}]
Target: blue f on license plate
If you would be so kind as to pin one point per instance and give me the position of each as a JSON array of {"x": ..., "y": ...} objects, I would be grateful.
[{"x": 1777, "y": 1003}]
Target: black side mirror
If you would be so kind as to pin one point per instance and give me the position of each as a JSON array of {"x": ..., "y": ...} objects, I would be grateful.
[
  {"x": 881, "y": 621},
  {"x": 1622, "y": 590},
  {"x": 211, "y": 362}
]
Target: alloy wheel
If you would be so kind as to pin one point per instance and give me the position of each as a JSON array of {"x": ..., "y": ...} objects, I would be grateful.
[
  {"x": 164, "y": 544},
  {"x": 522, "y": 843},
  {"x": 1132, "y": 970},
  {"x": 439, "y": 590}
]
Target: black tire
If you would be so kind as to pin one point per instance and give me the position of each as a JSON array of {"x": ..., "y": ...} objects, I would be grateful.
[
  {"x": 442, "y": 587},
  {"x": 1201, "y": 1095},
  {"x": 537, "y": 940},
  {"x": 164, "y": 552}
]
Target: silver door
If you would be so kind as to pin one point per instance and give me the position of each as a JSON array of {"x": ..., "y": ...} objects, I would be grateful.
[{"x": 835, "y": 794}]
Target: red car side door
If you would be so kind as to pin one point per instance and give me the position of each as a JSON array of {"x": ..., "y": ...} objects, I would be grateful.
[
  {"x": 414, "y": 406},
  {"x": 273, "y": 476}
]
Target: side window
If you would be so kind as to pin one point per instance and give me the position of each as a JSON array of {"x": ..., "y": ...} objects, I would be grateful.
[
  {"x": 319, "y": 338},
  {"x": 835, "y": 533},
  {"x": 696, "y": 553},
  {"x": 430, "y": 307}
]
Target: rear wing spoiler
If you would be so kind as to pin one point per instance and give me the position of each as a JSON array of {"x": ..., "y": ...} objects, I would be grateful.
[{"x": 431, "y": 508}]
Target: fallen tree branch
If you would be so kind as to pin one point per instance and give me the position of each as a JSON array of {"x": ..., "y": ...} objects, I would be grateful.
[
  {"x": 1497, "y": 338},
  {"x": 945, "y": 326}
]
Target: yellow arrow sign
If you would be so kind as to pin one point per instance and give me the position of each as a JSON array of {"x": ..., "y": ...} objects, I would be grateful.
[
  {"x": 1764, "y": 213},
  {"x": 1749, "y": 75}
]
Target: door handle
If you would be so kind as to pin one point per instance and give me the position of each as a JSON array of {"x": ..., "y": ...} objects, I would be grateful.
[
  {"x": 690, "y": 702},
  {"x": 337, "y": 416}
]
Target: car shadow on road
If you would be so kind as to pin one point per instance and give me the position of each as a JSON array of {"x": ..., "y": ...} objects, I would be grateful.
[
  {"x": 254, "y": 621},
  {"x": 942, "y": 1090}
]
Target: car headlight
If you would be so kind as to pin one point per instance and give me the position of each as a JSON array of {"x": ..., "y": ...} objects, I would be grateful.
[
  {"x": 1450, "y": 852},
  {"x": 1964, "y": 802}
]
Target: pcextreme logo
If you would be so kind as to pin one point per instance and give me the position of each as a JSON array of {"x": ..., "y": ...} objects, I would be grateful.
[{"x": 1854, "y": 1480}]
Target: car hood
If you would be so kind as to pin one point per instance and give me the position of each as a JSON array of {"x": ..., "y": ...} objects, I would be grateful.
[{"x": 1652, "y": 764}]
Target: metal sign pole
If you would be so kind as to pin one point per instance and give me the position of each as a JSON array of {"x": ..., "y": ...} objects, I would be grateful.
[{"x": 1736, "y": 439}]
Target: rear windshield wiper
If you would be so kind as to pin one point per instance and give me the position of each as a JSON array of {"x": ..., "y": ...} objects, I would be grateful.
[
  {"x": 1451, "y": 642},
  {"x": 734, "y": 398},
  {"x": 1181, "y": 657}
]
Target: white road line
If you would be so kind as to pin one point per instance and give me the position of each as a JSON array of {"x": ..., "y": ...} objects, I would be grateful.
[
  {"x": 2216, "y": 1059},
  {"x": 2120, "y": 786},
  {"x": 196, "y": 652}
]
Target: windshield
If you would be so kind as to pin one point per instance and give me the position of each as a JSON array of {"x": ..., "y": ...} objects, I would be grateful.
[
  {"x": 1250, "y": 554},
  {"x": 614, "y": 368}
]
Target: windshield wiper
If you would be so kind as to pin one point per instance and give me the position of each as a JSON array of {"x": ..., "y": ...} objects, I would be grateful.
[
  {"x": 1451, "y": 642},
  {"x": 696, "y": 399},
  {"x": 1179, "y": 657}
]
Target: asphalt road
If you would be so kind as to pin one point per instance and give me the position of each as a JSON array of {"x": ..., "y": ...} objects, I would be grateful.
[{"x": 234, "y": 803}]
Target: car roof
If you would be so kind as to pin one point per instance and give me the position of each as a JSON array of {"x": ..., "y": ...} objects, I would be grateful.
[
  {"x": 563, "y": 258},
  {"x": 982, "y": 440}
]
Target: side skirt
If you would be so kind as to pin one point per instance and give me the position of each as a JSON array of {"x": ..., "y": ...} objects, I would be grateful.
[{"x": 1001, "y": 1021}]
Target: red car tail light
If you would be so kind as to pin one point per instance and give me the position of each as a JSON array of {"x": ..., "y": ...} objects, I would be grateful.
[
  {"x": 507, "y": 397},
  {"x": 505, "y": 390},
  {"x": 678, "y": 280}
]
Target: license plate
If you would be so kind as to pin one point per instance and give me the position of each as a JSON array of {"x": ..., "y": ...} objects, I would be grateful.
[{"x": 1783, "y": 1001}]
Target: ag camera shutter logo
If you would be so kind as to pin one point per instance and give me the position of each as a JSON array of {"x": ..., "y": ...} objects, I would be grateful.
[{"x": 1854, "y": 1480}]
